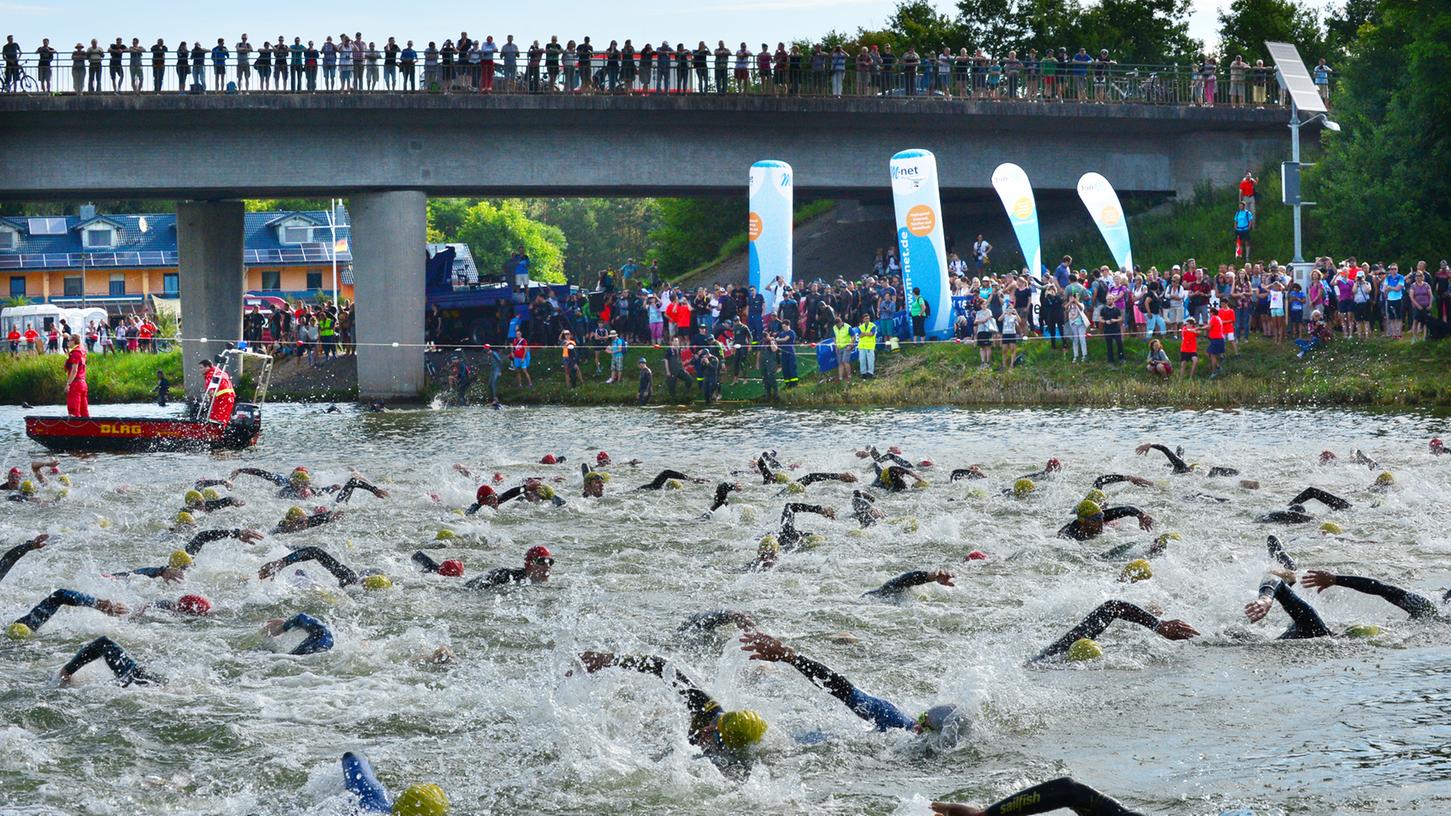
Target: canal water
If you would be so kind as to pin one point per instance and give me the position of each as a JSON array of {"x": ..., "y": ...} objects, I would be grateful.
[{"x": 1233, "y": 719}]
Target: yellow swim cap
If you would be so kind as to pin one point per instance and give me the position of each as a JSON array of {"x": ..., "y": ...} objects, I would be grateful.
[
  {"x": 421, "y": 800},
  {"x": 594, "y": 476},
  {"x": 782, "y": 478},
  {"x": 1331, "y": 528},
  {"x": 295, "y": 513},
  {"x": 192, "y": 497},
  {"x": 909, "y": 524},
  {"x": 813, "y": 540},
  {"x": 1386, "y": 478},
  {"x": 1363, "y": 630},
  {"x": 1170, "y": 536},
  {"x": 65, "y": 479},
  {"x": 1136, "y": 570},
  {"x": 1087, "y": 509},
  {"x": 546, "y": 492},
  {"x": 185, "y": 519},
  {"x": 18, "y": 631},
  {"x": 1084, "y": 649},
  {"x": 211, "y": 494},
  {"x": 299, "y": 475},
  {"x": 444, "y": 535},
  {"x": 768, "y": 544},
  {"x": 1096, "y": 496},
  {"x": 180, "y": 559},
  {"x": 27, "y": 487},
  {"x": 795, "y": 487},
  {"x": 1023, "y": 487},
  {"x": 377, "y": 582},
  {"x": 673, "y": 484},
  {"x": 739, "y": 729}
]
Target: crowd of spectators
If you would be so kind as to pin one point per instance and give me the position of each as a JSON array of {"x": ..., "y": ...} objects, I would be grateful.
[
  {"x": 131, "y": 333},
  {"x": 313, "y": 332},
  {"x": 354, "y": 64}
]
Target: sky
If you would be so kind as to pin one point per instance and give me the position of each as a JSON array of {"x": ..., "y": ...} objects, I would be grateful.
[{"x": 67, "y": 22}]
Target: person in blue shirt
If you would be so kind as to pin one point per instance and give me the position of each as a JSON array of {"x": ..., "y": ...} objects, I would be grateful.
[
  {"x": 786, "y": 342},
  {"x": 415, "y": 800},
  {"x": 1080, "y": 73},
  {"x": 1244, "y": 221},
  {"x": 755, "y": 312},
  {"x": 1064, "y": 271},
  {"x": 1395, "y": 290},
  {"x": 319, "y": 637},
  {"x": 219, "y": 63}
]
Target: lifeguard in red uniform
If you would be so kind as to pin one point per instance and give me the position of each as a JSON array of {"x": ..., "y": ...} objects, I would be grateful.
[
  {"x": 219, "y": 385},
  {"x": 77, "y": 394}
]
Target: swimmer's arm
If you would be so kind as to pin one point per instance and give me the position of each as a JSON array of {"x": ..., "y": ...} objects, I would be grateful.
[
  {"x": 202, "y": 484},
  {"x": 510, "y": 494},
  {"x": 706, "y": 621},
  {"x": 207, "y": 536},
  {"x": 37, "y": 468},
  {"x": 1056, "y": 794},
  {"x": 1413, "y": 604},
  {"x": 345, "y": 491},
  {"x": 317, "y": 520},
  {"x": 907, "y": 580},
  {"x": 225, "y": 501},
  {"x": 965, "y": 473},
  {"x": 1180, "y": 466},
  {"x": 307, "y": 623},
  {"x": 359, "y": 779},
  {"x": 696, "y": 700},
  {"x": 275, "y": 478},
  {"x": 1115, "y": 513},
  {"x": 664, "y": 476},
  {"x": 795, "y": 507},
  {"x": 722, "y": 494},
  {"x": 824, "y": 477},
  {"x": 767, "y": 477},
  {"x": 428, "y": 564},
  {"x": 1114, "y": 478},
  {"x": 1099, "y": 620},
  {"x": 15, "y": 553},
  {"x": 1324, "y": 497},
  {"x": 344, "y": 575}
]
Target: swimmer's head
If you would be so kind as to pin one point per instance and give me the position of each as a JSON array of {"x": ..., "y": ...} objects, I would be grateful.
[
  {"x": 1054, "y": 465},
  {"x": 977, "y": 555},
  {"x": 926, "y": 463},
  {"x": 18, "y": 631},
  {"x": 602, "y": 458},
  {"x": 812, "y": 540},
  {"x": 549, "y": 459},
  {"x": 538, "y": 561},
  {"x": 486, "y": 496},
  {"x": 193, "y": 605},
  {"x": 1136, "y": 570},
  {"x": 192, "y": 498},
  {"x": 377, "y": 582},
  {"x": 294, "y": 514},
  {"x": 1084, "y": 649},
  {"x": 185, "y": 519},
  {"x": 1326, "y": 457},
  {"x": 545, "y": 492},
  {"x": 1386, "y": 479},
  {"x": 1331, "y": 528},
  {"x": 15, "y": 473},
  {"x": 1437, "y": 446},
  {"x": 421, "y": 800},
  {"x": 1087, "y": 509},
  {"x": 673, "y": 484},
  {"x": 768, "y": 546},
  {"x": 453, "y": 568},
  {"x": 935, "y": 719},
  {"x": 793, "y": 487},
  {"x": 65, "y": 480},
  {"x": 740, "y": 729},
  {"x": 1096, "y": 496},
  {"x": 299, "y": 476},
  {"x": 1363, "y": 630},
  {"x": 782, "y": 478},
  {"x": 445, "y": 535},
  {"x": 27, "y": 488},
  {"x": 180, "y": 559},
  {"x": 1023, "y": 487},
  {"x": 211, "y": 494}
]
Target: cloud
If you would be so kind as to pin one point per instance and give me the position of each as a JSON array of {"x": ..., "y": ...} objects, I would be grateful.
[{"x": 24, "y": 8}]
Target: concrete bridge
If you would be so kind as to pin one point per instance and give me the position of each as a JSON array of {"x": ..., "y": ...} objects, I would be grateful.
[{"x": 388, "y": 152}]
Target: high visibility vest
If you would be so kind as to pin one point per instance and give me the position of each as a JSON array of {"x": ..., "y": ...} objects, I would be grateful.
[
  {"x": 867, "y": 341},
  {"x": 325, "y": 327}
]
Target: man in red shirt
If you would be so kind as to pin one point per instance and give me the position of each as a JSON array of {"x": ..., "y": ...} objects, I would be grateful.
[
  {"x": 1188, "y": 348},
  {"x": 14, "y": 338},
  {"x": 219, "y": 385},
  {"x": 1226, "y": 316},
  {"x": 32, "y": 338},
  {"x": 77, "y": 394},
  {"x": 1216, "y": 343},
  {"x": 147, "y": 331},
  {"x": 1247, "y": 191}
]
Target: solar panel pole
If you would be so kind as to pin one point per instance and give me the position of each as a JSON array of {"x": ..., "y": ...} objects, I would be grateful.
[{"x": 1295, "y": 157}]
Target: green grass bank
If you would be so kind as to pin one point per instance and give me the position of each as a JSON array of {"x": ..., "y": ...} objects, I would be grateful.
[{"x": 39, "y": 379}]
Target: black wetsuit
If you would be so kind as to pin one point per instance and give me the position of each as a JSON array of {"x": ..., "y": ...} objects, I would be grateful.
[
  {"x": 891, "y": 477},
  {"x": 722, "y": 494},
  {"x": 1110, "y": 478},
  {"x": 902, "y": 583},
  {"x": 664, "y": 476},
  {"x": 862, "y": 505},
  {"x": 1081, "y": 531},
  {"x": 1063, "y": 793},
  {"x": 1305, "y": 621},
  {"x": 127, "y": 671},
  {"x": 52, "y": 603},
  {"x": 499, "y": 577},
  {"x": 208, "y": 505},
  {"x": 319, "y": 638},
  {"x": 789, "y": 536},
  {"x": 1180, "y": 466},
  {"x": 1328, "y": 499},
  {"x": 967, "y": 473},
  {"x": 1097, "y": 621},
  {"x": 1419, "y": 607},
  {"x": 307, "y": 523},
  {"x": 889, "y": 457},
  {"x": 345, "y": 575},
  {"x": 14, "y": 554},
  {"x": 344, "y": 491},
  {"x": 703, "y": 622},
  {"x": 702, "y": 707},
  {"x": 1278, "y": 554}
]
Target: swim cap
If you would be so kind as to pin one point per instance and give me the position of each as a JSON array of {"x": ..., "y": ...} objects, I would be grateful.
[
  {"x": 445, "y": 535},
  {"x": 1331, "y": 528},
  {"x": 484, "y": 494},
  {"x": 674, "y": 484},
  {"x": 813, "y": 540},
  {"x": 1023, "y": 487},
  {"x": 535, "y": 553},
  {"x": 1386, "y": 478},
  {"x": 65, "y": 479},
  {"x": 1363, "y": 630},
  {"x": 15, "y": 471},
  {"x": 739, "y": 729},
  {"x": 925, "y": 463},
  {"x": 935, "y": 718},
  {"x": 768, "y": 545},
  {"x": 421, "y": 800},
  {"x": 180, "y": 559},
  {"x": 300, "y": 474},
  {"x": 1326, "y": 457},
  {"x": 1136, "y": 570},
  {"x": 377, "y": 582},
  {"x": 185, "y": 519},
  {"x": 1054, "y": 465},
  {"x": 18, "y": 631},
  {"x": 594, "y": 476},
  {"x": 922, "y": 485},
  {"x": 977, "y": 555},
  {"x": 549, "y": 459},
  {"x": 27, "y": 487},
  {"x": 897, "y": 449},
  {"x": 192, "y": 497},
  {"x": 1087, "y": 509},
  {"x": 909, "y": 524},
  {"x": 1436, "y": 444},
  {"x": 498, "y": 477},
  {"x": 795, "y": 487},
  {"x": 782, "y": 478},
  {"x": 1084, "y": 649},
  {"x": 453, "y": 568},
  {"x": 295, "y": 513},
  {"x": 1096, "y": 496},
  {"x": 193, "y": 605},
  {"x": 211, "y": 494},
  {"x": 1169, "y": 536},
  {"x": 602, "y": 458},
  {"x": 546, "y": 492}
]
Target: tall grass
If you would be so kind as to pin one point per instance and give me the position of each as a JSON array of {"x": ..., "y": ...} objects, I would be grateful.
[{"x": 39, "y": 379}]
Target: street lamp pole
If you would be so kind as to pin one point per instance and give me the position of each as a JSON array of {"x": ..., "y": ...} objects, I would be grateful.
[{"x": 1295, "y": 125}]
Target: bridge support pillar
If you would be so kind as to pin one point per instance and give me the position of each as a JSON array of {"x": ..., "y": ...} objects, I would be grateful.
[
  {"x": 389, "y": 234},
  {"x": 211, "y": 275}
]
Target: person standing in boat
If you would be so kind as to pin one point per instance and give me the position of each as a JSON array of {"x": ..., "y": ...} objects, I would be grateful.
[
  {"x": 78, "y": 398},
  {"x": 219, "y": 385}
]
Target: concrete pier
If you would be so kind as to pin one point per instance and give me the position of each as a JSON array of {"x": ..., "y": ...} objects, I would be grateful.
[
  {"x": 211, "y": 277},
  {"x": 389, "y": 235}
]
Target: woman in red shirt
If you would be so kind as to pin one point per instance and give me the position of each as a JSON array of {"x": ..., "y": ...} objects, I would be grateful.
[{"x": 77, "y": 395}]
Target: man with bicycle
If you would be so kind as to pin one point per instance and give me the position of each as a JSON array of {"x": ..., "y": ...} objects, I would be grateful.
[{"x": 12, "y": 63}]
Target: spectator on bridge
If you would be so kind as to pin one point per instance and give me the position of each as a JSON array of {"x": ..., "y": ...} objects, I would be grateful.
[
  {"x": 329, "y": 64},
  {"x": 198, "y": 65},
  {"x": 1237, "y": 71},
  {"x": 244, "y": 64},
  {"x": 371, "y": 56},
  {"x": 219, "y": 63},
  {"x": 1322, "y": 73},
  {"x": 408, "y": 66}
]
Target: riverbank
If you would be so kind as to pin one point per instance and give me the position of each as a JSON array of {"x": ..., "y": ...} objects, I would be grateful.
[{"x": 1373, "y": 373}]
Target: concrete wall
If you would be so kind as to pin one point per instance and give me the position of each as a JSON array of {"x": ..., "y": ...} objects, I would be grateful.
[
  {"x": 316, "y": 145},
  {"x": 389, "y": 232},
  {"x": 209, "y": 242}
]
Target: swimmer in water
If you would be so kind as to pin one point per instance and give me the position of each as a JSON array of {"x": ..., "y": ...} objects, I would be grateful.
[
  {"x": 790, "y": 537},
  {"x": 207, "y": 500},
  {"x": 1049, "y": 469},
  {"x": 1356, "y": 457},
  {"x": 702, "y": 623},
  {"x": 894, "y": 478},
  {"x": 879, "y": 712},
  {"x": 1305, "y": 622},
  {"x": 895, "y": 587},
  {"x": 532, "y": 491},
  {"x": 893, "y": 455},
  {"x": 1063, "y": 793},
  {"x": 1099, "y": 619},
  {"x": 723, "y": 490},
  {"x": 319, "y": 637},
  {"x": 721, "y": 735},
  {"x": 30, "y": 623},
  {"x": 14, "y": 478},
  {"x": 780, "y": 476},
  {"x": 1297, "y": 513},
  {"x": 296, "y": 520},
  {"x": 126, "y": 670},
  {"x": 665, "y": 476},
  {"x": 538, "y": 564},
  {"x": 181, "y": 560},
  {"x": 1091, "y": 518},
  {"x": 14, "y": 554},
  {"x": 370, "y": 579},
  {"x": 969, "y": 472},
  {"x": 1419, "y": 607},
  {"x": 415, "y": 800},
  {"x": 864, "y": 509},
  {"x": 298, "y": 484},
  {"x": 1438, "y": 448},
  {"x": 1176, "y": 461},
  {"x": 1114, "y": 478}
]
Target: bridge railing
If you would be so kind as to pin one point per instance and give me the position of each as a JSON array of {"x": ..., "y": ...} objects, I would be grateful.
[{"x": 1084, "y": 83}]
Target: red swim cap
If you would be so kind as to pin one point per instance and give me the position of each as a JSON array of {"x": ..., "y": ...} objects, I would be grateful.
[
  {"x": 895, "y": 449},
  {"x": 925, "y": 463},
  {"x": 602, "y": 458},
  {"x": 498, "y": 478},
  {"x": 1054, "y": 465},
  {"x": 16, "y": 474},
  {"x": 485, "y": 493},
  {"x": 453, "y": 568},
  {"x": 549, "y": 459},
  {"x": 193, "y": 605},
  {"x": 1437, "y": 444},
  {"x": 536, "y": 552},
  {"x": 977, "y": 555},
  {"x": 1327, "y": 456}
]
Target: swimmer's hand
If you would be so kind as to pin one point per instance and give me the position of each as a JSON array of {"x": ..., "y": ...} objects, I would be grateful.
[
  {"x": 1319, "y": 579},
  {"x": 1140, "y": 481},
  {"x": 462, "y": 470},
  {"x": 113, "y": 608},
  {"x": 172, "y": 575},
  {"x": 848, "y": 477},
  {"x": 1176, "y": 630},
  {"x": 1143, "y": 449},
  {"x": 952, "y": 809},
  {"x": 742, "y": 620},
  {"x": 39, "y": 541},
  {"x": 1257, "y": 609},
  {"x": 269, "y": 569},
  {"x": 828, "y": 512},
  {"x": 764, "y": 647},
  {"x": 1146, "y": 522},
  {"x": 944, "y": 578},
  {"x": 273, "y": 627},
  {"x": 250, "y": 536},
  {"x": 594, "y": 661}
]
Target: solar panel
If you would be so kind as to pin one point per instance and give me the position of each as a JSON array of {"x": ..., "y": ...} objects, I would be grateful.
[
  {"x": 1295, "y": 78},
  {"x": 47, "y": 226}
]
